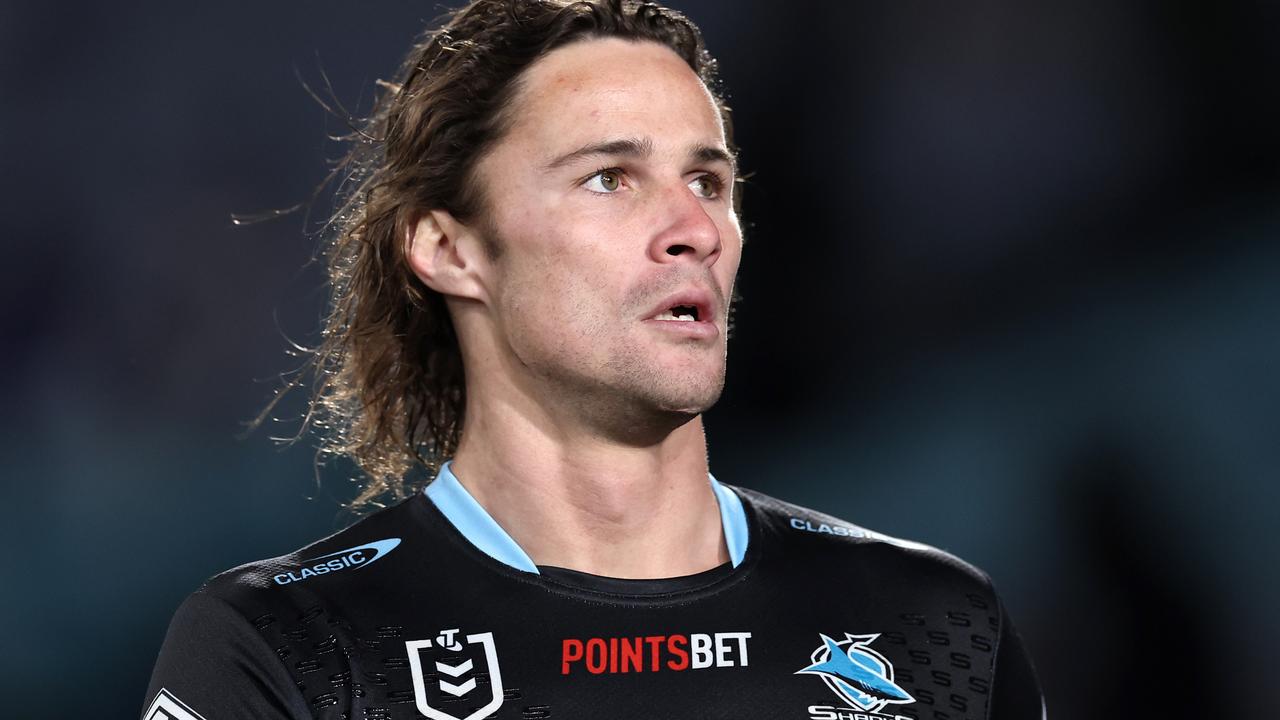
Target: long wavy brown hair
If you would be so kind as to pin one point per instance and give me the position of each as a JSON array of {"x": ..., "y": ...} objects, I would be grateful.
[{"x": 388, "y": 387}]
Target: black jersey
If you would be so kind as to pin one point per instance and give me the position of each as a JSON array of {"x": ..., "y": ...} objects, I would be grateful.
[{"x": 428, "y": 609}]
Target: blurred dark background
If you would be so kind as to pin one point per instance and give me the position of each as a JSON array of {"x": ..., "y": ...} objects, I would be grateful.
[{"x": 1012, "y": 288}]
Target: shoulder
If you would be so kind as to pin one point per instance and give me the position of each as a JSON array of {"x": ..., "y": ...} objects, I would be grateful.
[
  {"x": 813, "y": 538},
  {"x": 918, "y": 597},
  {"x": 267, "y": 623},
  {"x": 367, "y": 554},
  {"x": 238, "y": 644}
]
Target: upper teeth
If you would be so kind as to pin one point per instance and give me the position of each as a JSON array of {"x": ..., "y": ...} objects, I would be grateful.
[{"x": 685, "y": 315}]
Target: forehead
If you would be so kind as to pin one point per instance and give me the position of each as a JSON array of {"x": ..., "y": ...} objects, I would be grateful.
[{"x": 613, "y": 87}]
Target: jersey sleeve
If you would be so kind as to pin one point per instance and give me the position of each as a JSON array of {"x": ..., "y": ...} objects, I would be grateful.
[
  {"x": 214, "y": 665},
  {"x": 1016, "y": 693}
]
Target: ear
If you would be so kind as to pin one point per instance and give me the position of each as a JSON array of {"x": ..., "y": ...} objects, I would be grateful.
[{"x": 446, "y": 255}]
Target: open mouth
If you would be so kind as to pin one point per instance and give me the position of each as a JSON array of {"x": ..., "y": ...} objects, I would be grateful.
[{"x": 679, "y": 313}]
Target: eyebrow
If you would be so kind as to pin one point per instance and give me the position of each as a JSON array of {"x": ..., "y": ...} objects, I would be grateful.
[
  {"x": 713, "y": 154},
  {"x": 641, "y": 147}
]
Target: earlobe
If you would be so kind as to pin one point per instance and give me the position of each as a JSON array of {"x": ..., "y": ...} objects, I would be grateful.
[{"x": 438, "y": 250}]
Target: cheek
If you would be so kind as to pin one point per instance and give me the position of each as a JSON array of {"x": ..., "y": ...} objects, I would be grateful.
[
  {"x": 552, "y": 298},
  {"x": 562, "y": 277},
  {"x": 555, "y": 322},
  {"x": 730, "y": 255}
]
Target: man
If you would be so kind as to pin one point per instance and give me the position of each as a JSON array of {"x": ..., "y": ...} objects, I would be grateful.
[{"x": 547, "y": 210}]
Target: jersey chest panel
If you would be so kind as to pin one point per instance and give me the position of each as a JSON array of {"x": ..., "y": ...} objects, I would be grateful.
[
  {"x": 756, "y": 647},
  {"x": 401, "y": 617}
]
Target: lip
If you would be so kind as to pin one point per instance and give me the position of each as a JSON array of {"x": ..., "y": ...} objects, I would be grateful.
[{"x": 703, "y": 327}]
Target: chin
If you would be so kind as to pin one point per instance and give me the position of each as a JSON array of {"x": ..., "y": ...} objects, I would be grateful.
[
  {"x": 688, "y": 400},
  {"x": 646, "y": 414},
  {"x": 661, "y": 394}
]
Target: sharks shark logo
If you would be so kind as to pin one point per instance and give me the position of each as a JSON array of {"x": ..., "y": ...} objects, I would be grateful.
[{"x": 856, "y": 673}]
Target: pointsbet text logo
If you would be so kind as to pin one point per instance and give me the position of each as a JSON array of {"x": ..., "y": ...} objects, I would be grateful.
[{"x": 654, "y": 653}]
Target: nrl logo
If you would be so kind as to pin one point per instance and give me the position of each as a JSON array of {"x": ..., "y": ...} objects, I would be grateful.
[
  {"x": 454, "y": 674},
  {"x": 856, "y": 673}
]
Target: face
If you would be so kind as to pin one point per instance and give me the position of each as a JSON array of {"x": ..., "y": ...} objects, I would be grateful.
[{"x": 611, "y": 200}]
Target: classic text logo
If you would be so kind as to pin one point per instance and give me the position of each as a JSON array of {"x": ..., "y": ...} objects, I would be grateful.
[{"x": 351, "y": 557}]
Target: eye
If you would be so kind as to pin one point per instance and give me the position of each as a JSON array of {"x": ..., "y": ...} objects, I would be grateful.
[
  {"x": 707, "y": 186},
  {"x": 605, "y": 181}
]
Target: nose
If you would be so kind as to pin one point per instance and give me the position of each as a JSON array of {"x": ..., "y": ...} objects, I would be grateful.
[{"x": 686, "y": 231}]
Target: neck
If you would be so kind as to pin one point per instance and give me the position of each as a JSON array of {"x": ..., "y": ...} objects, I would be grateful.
[{"x": 583, "y": 500}]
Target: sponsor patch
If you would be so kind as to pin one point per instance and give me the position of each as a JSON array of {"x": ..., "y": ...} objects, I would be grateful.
[
  {"x": 826, "y": 528},
  {"x": 653, "y": 653},
  {"x": 355, "y": 557}
]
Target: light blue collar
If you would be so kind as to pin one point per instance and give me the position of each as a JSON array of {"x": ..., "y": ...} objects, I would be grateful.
[{"x": 477, "y": 526}]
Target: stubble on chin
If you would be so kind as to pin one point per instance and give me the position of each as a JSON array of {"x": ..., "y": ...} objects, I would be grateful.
[{"x": 643, "y": 387}]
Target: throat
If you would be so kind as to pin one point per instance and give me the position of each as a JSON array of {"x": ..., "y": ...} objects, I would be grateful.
[
  {"x": 601, "y": 524},
  {"x": 665, "y": 532}
]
